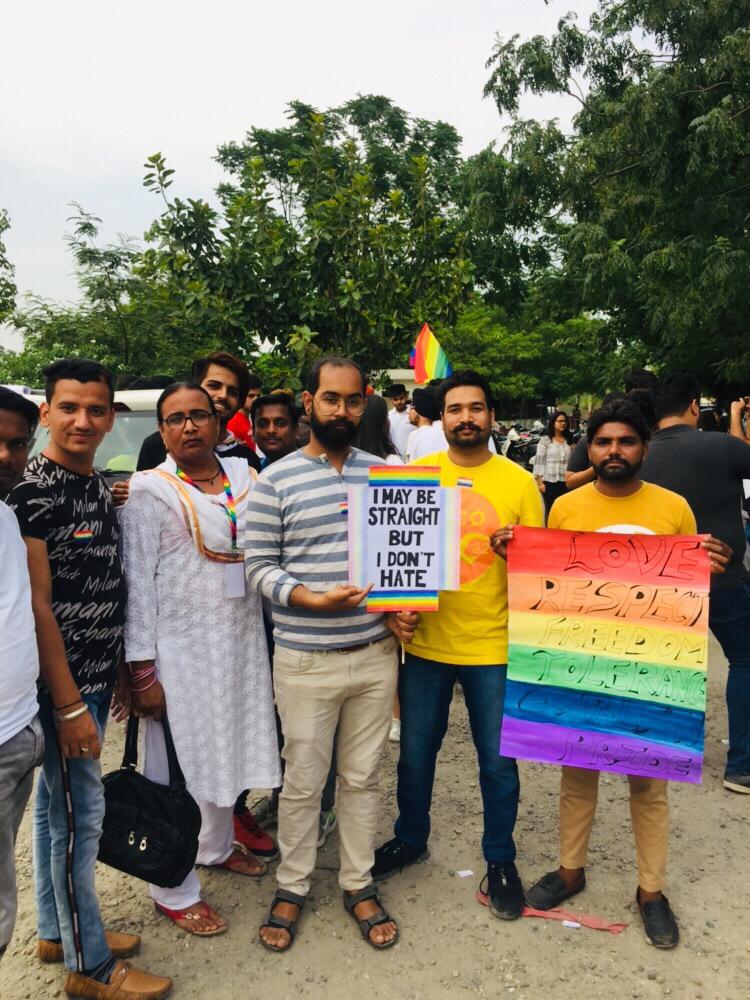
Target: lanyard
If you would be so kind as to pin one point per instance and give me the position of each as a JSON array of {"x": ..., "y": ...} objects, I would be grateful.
[{"x": 231, "y": 508}]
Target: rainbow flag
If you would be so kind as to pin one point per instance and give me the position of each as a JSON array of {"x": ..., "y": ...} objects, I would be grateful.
[{"x": 430, "y": 360}]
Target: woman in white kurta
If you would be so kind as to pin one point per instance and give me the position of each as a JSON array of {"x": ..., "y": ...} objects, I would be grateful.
[{"x": 189, "y": 616}]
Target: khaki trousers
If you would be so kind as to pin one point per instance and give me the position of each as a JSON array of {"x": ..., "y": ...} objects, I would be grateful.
[
  {"x": 649, "y": 811},
  {"x": 316, "y": 693}
]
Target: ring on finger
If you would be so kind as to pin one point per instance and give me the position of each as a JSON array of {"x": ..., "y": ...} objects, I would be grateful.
[{"x": 83, "y": 749}]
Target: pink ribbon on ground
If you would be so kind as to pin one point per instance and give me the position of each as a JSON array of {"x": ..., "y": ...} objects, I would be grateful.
[{"x": 594, "y": 923}]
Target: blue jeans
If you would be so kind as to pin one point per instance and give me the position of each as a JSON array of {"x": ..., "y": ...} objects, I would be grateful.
[
  {"x": 729, "y": 620},
  {"x": 59, "y": 904},
  {"x": 425, "y": 691}
]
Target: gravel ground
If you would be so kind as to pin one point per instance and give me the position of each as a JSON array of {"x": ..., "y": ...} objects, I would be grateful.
[{"x": 451, "y": 946}]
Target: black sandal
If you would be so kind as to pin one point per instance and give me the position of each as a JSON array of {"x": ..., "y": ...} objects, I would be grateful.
[
  {"x": 366, "y": 924},
  {"x": 282, "y": 923}
]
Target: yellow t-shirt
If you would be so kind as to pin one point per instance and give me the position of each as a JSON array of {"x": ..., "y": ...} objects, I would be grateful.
[
  {"x": 652, "y": 511},
  {"x": 471, "y": 627}
]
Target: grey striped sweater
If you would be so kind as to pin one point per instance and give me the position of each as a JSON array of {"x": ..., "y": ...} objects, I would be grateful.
[{"x": 295, "y": 532}]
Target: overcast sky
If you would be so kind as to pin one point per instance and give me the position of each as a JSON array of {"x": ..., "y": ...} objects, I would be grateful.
[{"x": 91, "y": 89}]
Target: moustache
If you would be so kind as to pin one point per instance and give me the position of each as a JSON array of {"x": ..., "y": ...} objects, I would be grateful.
[{"x": 466, "y": 427}]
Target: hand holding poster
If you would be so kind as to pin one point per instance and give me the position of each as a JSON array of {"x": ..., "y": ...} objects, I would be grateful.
[
  {"x": 608, "y": 651},
  {"x": 403, "y": 538}
]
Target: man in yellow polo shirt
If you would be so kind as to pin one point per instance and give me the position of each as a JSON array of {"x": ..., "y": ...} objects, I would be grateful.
[{"x": 465, "y": 641}]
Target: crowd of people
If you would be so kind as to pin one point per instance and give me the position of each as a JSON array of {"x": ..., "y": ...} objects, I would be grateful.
[{"x": 212, "y": 589}]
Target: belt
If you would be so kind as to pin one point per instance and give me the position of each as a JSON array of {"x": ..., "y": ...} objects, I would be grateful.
[{"x": 358, "y": 646}]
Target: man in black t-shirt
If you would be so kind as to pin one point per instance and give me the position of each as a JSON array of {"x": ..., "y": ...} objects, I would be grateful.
[
  {"x": 226, "y": 379},
  {"x": 69, "y": 525},
  {"x": 708, "y": 470}
]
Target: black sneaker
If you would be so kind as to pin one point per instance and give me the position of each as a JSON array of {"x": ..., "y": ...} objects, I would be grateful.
[
  {"x": 737, "y": 783},
  {"x": 659, "y": 922},
  {"x": 504, "y": 891},
  {"x": 394, "y": 856}
]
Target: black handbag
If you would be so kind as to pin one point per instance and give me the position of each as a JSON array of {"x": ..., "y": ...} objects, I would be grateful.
[{"x": 150, "y": 830}]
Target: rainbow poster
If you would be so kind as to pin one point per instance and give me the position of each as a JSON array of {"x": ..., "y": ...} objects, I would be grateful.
[
  {"x": 608, "y": 648},
  {"x": 404, "y": 537}
]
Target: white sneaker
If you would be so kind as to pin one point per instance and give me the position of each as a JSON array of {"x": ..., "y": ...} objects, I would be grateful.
[
  {"x": 328, "y": 823},
  {"x": 395, "y": 733}
]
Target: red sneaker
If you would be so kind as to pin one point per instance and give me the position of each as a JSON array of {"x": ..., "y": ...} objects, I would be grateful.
[{"x": 248, "y": 833}]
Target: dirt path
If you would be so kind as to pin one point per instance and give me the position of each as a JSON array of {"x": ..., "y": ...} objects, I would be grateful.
[{"x": 451, "y": 946}]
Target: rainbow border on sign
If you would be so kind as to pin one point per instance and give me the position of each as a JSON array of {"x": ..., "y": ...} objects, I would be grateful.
[
  {"x": 404, "y": 475},
  {"x": 403, "y": 600}
]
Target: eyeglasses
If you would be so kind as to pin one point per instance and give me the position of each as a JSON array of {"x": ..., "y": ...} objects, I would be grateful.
[
  {"x": 199, "y": 418},
  {"x": 330, "y": 403}
]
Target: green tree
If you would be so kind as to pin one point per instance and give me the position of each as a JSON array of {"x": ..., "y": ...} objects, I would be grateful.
[
  {"x": 482, "y": 339},
  {"x": 655, "y": 177},
  {"x": 7, "y": 284}
]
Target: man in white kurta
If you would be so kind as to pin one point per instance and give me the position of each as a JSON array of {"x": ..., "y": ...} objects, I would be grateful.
[{"x": 209, "y": 651}]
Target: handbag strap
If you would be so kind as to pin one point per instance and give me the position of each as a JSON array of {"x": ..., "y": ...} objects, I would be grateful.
[{"x": 130, "y": 756}]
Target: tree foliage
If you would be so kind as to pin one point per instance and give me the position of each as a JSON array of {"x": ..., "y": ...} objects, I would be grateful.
[
  {"x": 7, "y": 284},
  {"x": 654, "y": 182}
]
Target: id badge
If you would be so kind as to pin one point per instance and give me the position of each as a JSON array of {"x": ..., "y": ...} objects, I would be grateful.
[{"x": 234, "y": 579}]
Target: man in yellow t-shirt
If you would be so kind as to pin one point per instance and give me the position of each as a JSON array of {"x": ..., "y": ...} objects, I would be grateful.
[
  {"x": 618, "y": 501},
  {"x": 465, "y": 641}
]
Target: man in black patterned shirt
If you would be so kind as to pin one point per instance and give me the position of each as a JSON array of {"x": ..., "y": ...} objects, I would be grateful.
[{"x": 69, "y": 525}]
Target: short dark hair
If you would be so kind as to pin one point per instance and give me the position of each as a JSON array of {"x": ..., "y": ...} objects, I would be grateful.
[
  {"x": 254, "y": 381},
  {"x": 22, "y": 405},
  {"x": 313, "y": 376},
  {"x": 177, "y": 387},
  {"x": 79, "y": 370},
  {"x": 224, "y": 360},
  {"x": 275, "y": 399},
  {"x": 674, "y": 394},
  {"x": 643, "y": 399},
  {"x": 620, "y": 412},
  {"x": 640, "y": 378},
  {"x": 457, "y": 379}
]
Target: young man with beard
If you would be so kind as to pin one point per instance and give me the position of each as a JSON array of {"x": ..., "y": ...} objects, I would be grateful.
[
  {"x": 226, "y": 380},
  {"x": 68, "y": 522},
  {"x": 398, "y": 417},
  {"x": 275, "y": 420},
  {"x": 465, "y": 641},
  {"x": 618, "y": 500},
  {"x": 241, "y": 424},
  {"x": 18, "y": 420},
  {"x": 334, "y": 664}
]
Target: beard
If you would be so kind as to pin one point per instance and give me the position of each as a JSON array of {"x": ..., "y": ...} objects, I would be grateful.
[
  {"x": 336, "y": 434},
  {"x": 620, "y": 473},
  {"x": 478, "y": 439},
  {"x": 8, "y": 479}
]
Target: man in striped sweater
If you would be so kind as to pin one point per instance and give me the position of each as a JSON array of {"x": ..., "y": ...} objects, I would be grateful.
[{"x": 335, "y": 665}]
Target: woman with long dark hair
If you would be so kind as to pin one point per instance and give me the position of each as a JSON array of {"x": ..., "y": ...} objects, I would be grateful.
[
  {"x": 552, "y": 456},
  {"x": 374, "y": 433}
]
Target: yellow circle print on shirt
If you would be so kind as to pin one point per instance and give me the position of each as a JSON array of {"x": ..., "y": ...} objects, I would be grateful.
[{"x": 478, "y": 521}]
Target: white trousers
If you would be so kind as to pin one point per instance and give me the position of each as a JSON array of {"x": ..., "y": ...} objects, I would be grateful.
[{"x": 217, "y": 826}]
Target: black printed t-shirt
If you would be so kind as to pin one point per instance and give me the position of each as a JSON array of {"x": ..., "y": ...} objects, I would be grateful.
[{"x": 74, "y": 515}]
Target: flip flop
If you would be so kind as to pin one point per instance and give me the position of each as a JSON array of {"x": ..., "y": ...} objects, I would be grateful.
[
  {"x": 175, "y": 915},
  {"x": 232, "y": 861}
]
